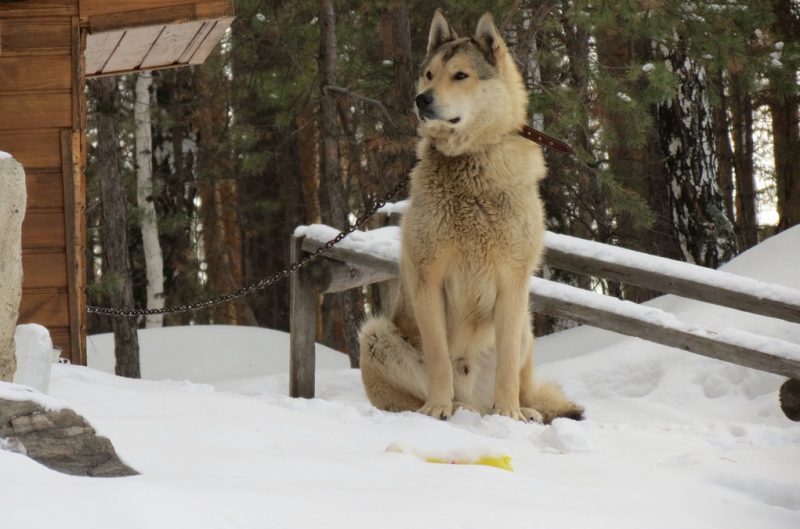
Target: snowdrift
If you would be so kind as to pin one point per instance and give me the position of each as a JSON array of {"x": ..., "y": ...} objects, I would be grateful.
[{"x": 671, "y": 439}]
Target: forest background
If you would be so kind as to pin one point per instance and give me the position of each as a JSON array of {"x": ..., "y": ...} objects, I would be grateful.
[{"x": 683, "y": 115}]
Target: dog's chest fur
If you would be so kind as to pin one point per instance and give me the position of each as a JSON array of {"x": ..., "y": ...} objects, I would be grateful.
[{"x": 474, "y": 206}]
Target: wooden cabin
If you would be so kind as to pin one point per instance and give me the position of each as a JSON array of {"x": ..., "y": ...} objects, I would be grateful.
[{"x": 47, "y": 50}]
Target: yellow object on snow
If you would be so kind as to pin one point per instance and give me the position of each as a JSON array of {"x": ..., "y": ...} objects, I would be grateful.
[
  {"x": 478, "y": 456},
  {"x": 503, "y": 462}
]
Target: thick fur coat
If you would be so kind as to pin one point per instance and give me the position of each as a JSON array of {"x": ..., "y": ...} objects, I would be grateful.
[{"x": 460, "y": 335}]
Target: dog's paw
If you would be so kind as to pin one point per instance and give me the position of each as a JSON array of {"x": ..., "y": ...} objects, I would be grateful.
[
  {"x": 531, "y": 415},
  {"x": 437, "y": 411},
  {"x": 519, "y": 414}
]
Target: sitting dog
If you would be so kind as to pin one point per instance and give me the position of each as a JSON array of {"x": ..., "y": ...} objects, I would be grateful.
[{"x": 460, "y": 334}]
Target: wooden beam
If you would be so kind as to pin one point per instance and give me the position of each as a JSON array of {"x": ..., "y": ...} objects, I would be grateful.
[
  {"x": 690, "y": 281},
  {"x": 330, "y": 276},
  {"x": 75, "y": 199},
  {"x": 390, "y": 268},
  {"x": 202, "y": 8},
  {"x": 654, "y": 325},
  {"x": 144, "y": 17},
  {"x": 127, "y": 18},
  {"x": 302, "y": 328},
  {"x": 611, "y": 314}
]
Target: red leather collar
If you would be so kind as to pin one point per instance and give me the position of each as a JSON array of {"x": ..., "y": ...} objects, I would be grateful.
[{"x": 545, "y": 140}]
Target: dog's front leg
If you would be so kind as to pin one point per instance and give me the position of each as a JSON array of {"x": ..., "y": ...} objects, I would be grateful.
[
  {"x": 428, "y": 302},
  {"x": 509, "y": 319}
]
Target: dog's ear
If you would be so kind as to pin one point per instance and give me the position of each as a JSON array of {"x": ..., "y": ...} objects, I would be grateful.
[
  {"x": 441, "y": 31},
  {"x": 489, "y": 39}
]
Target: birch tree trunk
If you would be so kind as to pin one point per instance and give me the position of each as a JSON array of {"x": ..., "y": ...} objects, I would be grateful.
[
  {"x": 154, "y": 261},
  {"x": 116, "y": 264},
  {"x": 705, "y": 233}
]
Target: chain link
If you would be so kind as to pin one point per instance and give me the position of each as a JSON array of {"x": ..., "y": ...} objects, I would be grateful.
[{"x": 267, "y": 281}]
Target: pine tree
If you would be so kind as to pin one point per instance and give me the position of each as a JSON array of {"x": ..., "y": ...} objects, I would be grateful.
[
  {"x": 116, "y": 261},
  {"x": 784, "y": 50}
]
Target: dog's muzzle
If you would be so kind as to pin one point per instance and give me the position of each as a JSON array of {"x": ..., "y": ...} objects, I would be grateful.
[
  {"x": 424, "y": 100},
  {"x": 424, "y": 103},
  {"x": 427, "y": 110}
]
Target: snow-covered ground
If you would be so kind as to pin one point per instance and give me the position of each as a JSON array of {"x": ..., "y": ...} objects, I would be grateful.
[{"x": 671, "y": 440}]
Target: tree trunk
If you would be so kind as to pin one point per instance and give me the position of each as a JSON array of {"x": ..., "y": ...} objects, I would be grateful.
[
  {"x": 154, "y": 262},
  {"x": 723, "y": 145},
  {"x": 173, "y": 143},
  {"x": 742, "y": 132},
  {"x": 705, "y": 233},
  {"x": 115, "y": 236},
  {"x": 786, "y": 134},
  {"x": 222, "y": 239},
  {"x": 351, "y": 310},
  {"x": 786, "y": 128},
  {"x": 308, "y": 163},
  {"x": 637, "y": 168}
]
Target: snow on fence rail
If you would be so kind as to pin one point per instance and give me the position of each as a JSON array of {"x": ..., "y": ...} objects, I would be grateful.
[{"x": 373, "y": 256}]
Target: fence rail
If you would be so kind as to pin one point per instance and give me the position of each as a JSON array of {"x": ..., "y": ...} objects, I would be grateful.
[{"x": 352, "y": 265}]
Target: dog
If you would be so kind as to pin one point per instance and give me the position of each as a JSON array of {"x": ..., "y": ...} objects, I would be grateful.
[{"x": 460, "y": 335}]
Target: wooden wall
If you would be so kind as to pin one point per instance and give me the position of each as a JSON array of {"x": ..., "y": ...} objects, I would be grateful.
[{"x": 42, "y": 124}]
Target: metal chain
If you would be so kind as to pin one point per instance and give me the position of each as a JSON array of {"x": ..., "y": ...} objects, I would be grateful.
[{"x": 267, "y": 281}]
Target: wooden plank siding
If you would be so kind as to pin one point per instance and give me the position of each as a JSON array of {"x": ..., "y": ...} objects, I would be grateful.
[
  {"x": 149, "y": 12},
  {"x": 40, "y": 102},
  {"x": 34, "y": 149},
  {"x": 47, "y": 48},
  {"x": 44, "y": 72}
]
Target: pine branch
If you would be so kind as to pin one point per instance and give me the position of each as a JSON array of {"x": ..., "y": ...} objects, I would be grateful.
[{"x": 365, "y": 99}]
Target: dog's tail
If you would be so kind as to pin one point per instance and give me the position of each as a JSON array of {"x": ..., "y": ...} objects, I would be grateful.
[{"x": 548, "y": 399}]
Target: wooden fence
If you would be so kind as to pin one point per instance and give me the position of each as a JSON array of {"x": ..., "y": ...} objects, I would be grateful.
[{"x": 354, "y": 263}]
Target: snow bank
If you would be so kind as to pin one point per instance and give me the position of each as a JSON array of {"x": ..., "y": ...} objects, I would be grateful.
[{"x": 671, "y": 439}]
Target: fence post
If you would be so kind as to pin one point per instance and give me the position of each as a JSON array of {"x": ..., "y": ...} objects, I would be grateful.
[{"x": 302, "y": 328}]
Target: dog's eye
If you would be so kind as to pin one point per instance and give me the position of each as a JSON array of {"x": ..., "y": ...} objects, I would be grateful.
[
  {"x": 459, "y": 76},
  {"x": 429, "y": 75}
]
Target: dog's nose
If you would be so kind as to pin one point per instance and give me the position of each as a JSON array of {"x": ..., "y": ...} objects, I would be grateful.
[{"x": 424, "y": 100}]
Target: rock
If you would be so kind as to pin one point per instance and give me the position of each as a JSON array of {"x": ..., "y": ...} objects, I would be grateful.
[
  {"x": 12, "y": 211},
  {"x": 790, "y": 399},
  {"x": 59, "y": 439}
]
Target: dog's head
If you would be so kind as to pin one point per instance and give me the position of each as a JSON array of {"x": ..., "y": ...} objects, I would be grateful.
[{"x": 469, "y": 90}]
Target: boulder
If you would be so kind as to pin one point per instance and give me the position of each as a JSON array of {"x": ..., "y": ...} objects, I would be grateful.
[
  {"x": 59, "y": 439},
  {"x": 789, "y": 396},
  {"x": 12, "y": 211}
]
